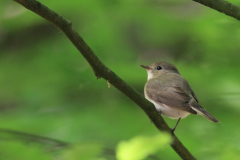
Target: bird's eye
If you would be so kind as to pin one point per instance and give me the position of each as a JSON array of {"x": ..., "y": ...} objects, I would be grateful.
[{"x": 159, "y": 67}]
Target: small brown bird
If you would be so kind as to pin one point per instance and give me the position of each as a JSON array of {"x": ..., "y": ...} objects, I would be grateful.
[{"x": 171, "y": 94}]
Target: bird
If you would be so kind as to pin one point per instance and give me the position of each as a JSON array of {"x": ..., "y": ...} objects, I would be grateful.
[{"x": 171, "y": 94}]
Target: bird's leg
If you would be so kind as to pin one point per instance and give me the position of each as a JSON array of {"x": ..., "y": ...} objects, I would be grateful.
[{"x": 175, "y": 126}]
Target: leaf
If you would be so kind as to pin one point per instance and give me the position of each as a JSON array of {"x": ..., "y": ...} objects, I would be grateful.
[{"x": 140, "y": 147}]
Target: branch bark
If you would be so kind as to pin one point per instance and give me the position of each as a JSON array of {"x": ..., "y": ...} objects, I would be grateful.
[
  {"x": 101, "y": 70},
  {"x": 223, "y": 7}
]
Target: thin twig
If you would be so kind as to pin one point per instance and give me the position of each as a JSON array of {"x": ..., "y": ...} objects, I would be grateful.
[
  {"x": 223, "y": 7},
  {"x": 34, "y": 138}
]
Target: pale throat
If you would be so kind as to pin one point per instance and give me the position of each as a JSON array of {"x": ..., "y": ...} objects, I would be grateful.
[{"x": 150, "y": 75}]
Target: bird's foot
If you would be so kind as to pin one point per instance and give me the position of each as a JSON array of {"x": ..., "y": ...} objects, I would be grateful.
[{"x": 172, "y": 131}]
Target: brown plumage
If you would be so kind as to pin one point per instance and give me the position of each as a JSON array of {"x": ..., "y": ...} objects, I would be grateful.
[{"x": 171, "y": 94}]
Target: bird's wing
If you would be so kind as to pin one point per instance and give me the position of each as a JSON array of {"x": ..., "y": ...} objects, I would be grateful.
[
  {"x": 173, "y": 96},
  {"x": 194, "y": 96}
]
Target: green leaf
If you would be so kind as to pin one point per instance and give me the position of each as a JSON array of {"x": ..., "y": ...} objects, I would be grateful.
[{"x": 140, "y": 147}]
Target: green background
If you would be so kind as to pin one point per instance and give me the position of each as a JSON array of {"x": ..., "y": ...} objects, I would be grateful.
[{"x": 48, "y": 89}]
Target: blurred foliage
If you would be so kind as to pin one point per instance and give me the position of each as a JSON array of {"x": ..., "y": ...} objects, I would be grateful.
[
  {"x": 83, "y": 152},
  {"x": 140, "y": 147},
  {"x": 17, "y": 150},
  {"x": 48, "y": 89}
]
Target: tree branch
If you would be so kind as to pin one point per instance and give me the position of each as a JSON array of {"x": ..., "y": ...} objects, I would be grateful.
[
  {"x": 222, "y": 6},
  {"x": 34, "y": 138},
  {"x": 101, "y": 70}
]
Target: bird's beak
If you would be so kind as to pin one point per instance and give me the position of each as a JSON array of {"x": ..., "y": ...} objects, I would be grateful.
[{"x": 146, "y": 67}]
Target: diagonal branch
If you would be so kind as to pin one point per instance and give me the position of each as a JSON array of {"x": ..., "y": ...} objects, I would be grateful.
[
  {"x": 101, "y": 70},
  {"x": 34, "y": 138},
  {"x": 222, "y": 6}
]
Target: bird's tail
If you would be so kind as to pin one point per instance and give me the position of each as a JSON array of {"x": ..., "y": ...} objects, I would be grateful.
[{"x": 200, "y": 110}]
